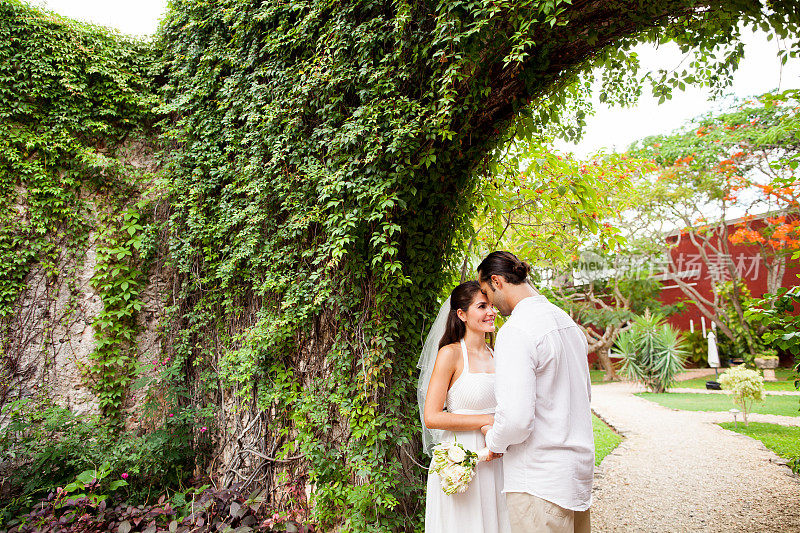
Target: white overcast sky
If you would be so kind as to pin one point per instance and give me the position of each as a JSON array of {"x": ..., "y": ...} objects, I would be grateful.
[{"x": 609, "y": 129}]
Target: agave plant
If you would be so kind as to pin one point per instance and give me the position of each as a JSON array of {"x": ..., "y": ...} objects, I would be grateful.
[{"x": 652, "y": 352}]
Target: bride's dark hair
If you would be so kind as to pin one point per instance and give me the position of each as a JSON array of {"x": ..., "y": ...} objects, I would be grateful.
[{"x": 461, "y": 298}]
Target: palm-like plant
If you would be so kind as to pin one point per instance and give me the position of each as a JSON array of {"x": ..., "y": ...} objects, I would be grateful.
[{"x": 652, "y": 352}]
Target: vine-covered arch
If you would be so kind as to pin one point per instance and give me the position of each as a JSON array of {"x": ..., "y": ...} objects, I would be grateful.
[
  {"x": 325, "y": 170},
  {"x": 319, "y": 164}
]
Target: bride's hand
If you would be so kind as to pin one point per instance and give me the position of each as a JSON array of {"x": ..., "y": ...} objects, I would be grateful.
[{"x": 490, "y": 454}]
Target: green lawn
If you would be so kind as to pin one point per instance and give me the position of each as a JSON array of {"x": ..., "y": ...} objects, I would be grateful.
[
  {"x": 605, "y": 440},
  {"x": 785, "y": 381},
  {"x": 687, "y": 401},
  {"x": 783, "y": 440},
  {"x": 597, "y": 376}
]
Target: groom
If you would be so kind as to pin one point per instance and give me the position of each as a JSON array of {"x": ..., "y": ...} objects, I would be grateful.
[{"x": 542, "y": 423}]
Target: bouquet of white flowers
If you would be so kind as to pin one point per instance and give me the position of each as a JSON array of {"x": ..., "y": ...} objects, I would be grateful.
[{"x": 455, "y": 466}]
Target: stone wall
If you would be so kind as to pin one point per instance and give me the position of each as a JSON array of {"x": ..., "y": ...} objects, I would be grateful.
[
  {"x": 56, "y": 322},
  {"x": 52, "y": 335}
]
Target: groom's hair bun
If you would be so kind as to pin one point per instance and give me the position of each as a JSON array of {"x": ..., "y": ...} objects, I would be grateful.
[
  {"x": 504, "y": 264},
  {"x": 522, "y": 269}
]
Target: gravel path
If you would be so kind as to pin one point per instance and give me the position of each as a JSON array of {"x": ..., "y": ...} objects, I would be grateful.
[
  {"x": 676, "y": 471},
  {"x": 693, "y": 373}
]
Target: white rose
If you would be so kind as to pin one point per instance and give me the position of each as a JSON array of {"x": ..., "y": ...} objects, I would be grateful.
[
  {"x": 457, "y": 474},
  {"x": 459, "y": 478},
  {"x": 447, "y": 474},
  {"x": 456, "y": 454},
  {"x": 455, "y": 478},
  {"x": 451, "y": 474}
]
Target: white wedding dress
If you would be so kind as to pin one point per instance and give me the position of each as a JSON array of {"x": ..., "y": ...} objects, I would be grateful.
[{"x": 482, "y": 508}]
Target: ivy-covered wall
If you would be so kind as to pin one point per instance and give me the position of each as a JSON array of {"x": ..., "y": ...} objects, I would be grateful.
[
  {"x": 317, "y": 172},
  {"x": 75, "y": 154}
]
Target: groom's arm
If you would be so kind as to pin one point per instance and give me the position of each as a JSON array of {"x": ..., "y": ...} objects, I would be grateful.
[{"x": 515, "y": 391}]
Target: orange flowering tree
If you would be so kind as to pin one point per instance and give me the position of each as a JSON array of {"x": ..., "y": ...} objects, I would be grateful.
[{"x": 728, "y": 184}]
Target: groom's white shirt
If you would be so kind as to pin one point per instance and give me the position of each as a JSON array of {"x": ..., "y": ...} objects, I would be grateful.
[{"x": 543, "y": 420}]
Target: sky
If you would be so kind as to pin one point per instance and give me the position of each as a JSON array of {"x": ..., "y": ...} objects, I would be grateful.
[
  {"x": 759, "y": 71},
  {"x": 609, "y": 129},
  {"x": 139, "y": 17}
]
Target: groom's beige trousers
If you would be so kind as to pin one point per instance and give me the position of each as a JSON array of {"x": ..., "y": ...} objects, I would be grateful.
[{"x": 531, "y": 514}]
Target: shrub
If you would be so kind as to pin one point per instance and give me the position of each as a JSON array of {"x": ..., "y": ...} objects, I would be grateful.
[
  {"x": 745, "y": 387},
  {"x": 697, "y": 348},
  {"x": 652, "y": 352},
  {"x": 63, "y": 511},
  {"x": 776, "y": 315},
  {"x": 45, "y": 446}
]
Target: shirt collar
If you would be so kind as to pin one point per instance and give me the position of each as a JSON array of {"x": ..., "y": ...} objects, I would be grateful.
[{"x": 530, "y": 300}]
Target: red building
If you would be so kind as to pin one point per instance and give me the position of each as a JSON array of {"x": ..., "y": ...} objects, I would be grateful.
[
  {"x": 701, "y": 260},
  {"x": 688, "y": 264}
]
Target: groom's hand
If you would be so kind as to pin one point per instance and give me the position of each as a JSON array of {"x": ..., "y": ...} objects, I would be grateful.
[
  {"x": 485, "y": 429},
  {"x": 493, "y": 455}
]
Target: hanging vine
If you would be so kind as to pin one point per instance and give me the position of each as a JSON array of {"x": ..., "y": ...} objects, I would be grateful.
[{"x": 119, "y": 279}]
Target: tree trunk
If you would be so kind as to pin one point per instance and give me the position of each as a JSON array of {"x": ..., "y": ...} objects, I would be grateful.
[{"x": 608, "y": 364}]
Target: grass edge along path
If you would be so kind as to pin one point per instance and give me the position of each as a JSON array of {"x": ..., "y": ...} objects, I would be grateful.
[
  {"x": 783, "y": 440},
  {"x": 605, "y": 439},
  {"x": 687, "y": 401},
  {"x": 786, "y": 377}
]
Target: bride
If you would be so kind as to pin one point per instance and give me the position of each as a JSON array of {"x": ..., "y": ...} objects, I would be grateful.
[{"x": 456, "y": 397}]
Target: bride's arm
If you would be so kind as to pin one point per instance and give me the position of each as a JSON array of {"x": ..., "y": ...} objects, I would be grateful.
[{"x": 435, "y": 415}]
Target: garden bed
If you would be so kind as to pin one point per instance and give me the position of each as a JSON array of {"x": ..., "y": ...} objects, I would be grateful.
[{"x": 786, "y": 377}]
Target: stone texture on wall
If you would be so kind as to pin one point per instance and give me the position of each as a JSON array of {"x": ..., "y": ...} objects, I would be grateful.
[
  {"x": 52, "y": 332},
  {"x": 61, "y": 355}
]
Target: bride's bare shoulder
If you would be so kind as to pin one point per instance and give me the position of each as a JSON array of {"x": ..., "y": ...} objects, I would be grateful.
[{"x": 449, "y": 352}]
